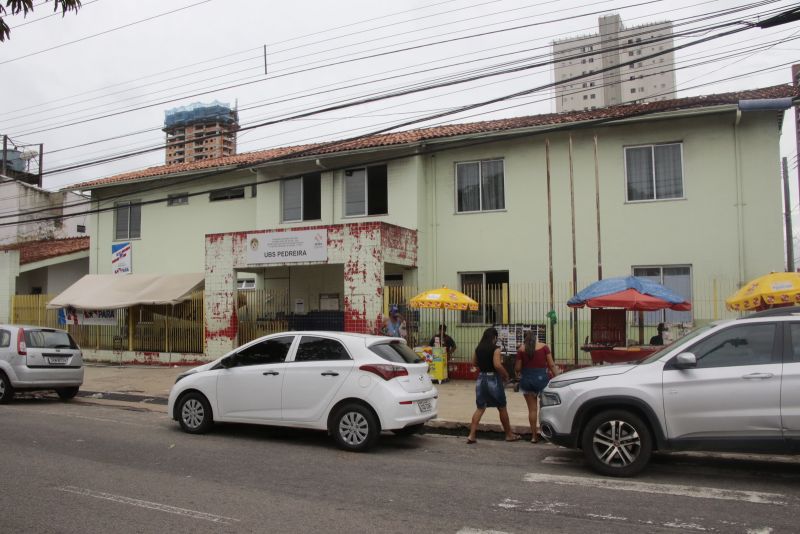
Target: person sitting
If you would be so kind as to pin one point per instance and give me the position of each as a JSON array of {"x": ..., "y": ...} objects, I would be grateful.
[
  {"x": 441, "y": 339},
  {"x": 658, "y": 339}
]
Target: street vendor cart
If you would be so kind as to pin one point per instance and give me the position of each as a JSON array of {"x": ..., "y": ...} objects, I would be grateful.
[{"x": 610, "y": 300}]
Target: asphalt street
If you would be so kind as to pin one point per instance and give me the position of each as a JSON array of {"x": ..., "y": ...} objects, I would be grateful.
[{"x": 83, "y": 468}]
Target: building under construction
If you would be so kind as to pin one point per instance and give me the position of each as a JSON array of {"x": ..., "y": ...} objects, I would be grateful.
[{"x": 200, "y": 131}]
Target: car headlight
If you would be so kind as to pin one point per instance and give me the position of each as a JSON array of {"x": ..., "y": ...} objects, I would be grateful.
[
  {"x": 182, "y": 376},
  {"x": 549, "y": 399},
  {"x": 568, "y": 382}
]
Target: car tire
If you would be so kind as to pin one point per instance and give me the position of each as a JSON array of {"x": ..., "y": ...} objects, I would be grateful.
[
  {"x": 617, "y": 443},
  {"x": 6, "y": 389},
  {"x": 355, "y": 428},
  {"x": 408, "y": 430},
  {"x": 194, "y": 414},
  {"x": 66, "y": 394}
]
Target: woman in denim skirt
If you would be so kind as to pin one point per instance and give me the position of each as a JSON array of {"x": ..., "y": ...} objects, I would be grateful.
[
  {"x": 533, "y": 361},
  {"x": 490, "y": 386}
]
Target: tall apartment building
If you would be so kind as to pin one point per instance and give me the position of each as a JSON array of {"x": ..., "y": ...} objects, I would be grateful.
[
  {"x": 610, "y": 59},
  {"x": 200, "y": 131}
]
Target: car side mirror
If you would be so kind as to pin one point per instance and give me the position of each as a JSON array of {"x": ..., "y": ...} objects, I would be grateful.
[{"x": 686, "y": 360}]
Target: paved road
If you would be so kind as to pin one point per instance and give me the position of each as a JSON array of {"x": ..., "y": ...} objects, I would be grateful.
[{"x": 88, "y": 468}]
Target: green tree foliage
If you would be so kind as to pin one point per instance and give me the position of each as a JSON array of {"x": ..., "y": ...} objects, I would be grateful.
[{"x": 25, "y": 6}]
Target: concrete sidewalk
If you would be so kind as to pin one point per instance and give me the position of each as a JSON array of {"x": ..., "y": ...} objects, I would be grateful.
[{"x": 144, "y": 386}]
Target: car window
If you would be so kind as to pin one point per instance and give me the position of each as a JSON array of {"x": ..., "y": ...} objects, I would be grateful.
[
  {"x": 48, "y": 339},
  {"x": 751, "y": 344},
  {"x": 5, "y": 338},
  {"x": 268, "y": 351},
  {"x": 395, "y": 351},
  {"x": 794, "y": 330},
  {"x": 319, "y": 349}
]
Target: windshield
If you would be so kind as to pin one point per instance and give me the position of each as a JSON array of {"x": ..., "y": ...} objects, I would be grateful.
[
  {"x": 49, "y": 339},
  {"x": 691, "y": 335},
  {"x": 396, "y": 351}
]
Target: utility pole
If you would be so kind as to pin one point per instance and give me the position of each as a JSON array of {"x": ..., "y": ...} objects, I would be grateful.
[{"x": 787, "y": 209}]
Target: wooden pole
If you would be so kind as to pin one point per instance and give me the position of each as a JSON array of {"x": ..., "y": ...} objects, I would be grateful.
[
  {"x": 574, "y": 254},
  {"x": 550, "y": 242},
  {"x": 597, "y": 211}
]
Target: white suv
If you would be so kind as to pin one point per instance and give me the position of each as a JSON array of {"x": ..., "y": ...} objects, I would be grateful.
[
  {"x": 731, "y": 386},
  {"x": 36, "y": 357}
]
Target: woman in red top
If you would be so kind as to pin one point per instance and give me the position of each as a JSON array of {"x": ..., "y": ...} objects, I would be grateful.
[{"x": 533, "y": 361}]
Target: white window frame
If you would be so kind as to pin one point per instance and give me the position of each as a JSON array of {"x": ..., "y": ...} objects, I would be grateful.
[
  {"x": 660, "y": 316},
  {"x": 129, "y": 204},
  {"x": 366, "y": 212},
  {"x": 480, "y": 183},
  {"x": 178, "y": 199},
  {"x": 283, "y": 199},
  {"x": 652, "y": 147}
]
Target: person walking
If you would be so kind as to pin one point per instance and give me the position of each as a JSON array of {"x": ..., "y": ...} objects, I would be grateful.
[
  {"x": 533, "y": 361},
  {"x": 490, "y": 386}
]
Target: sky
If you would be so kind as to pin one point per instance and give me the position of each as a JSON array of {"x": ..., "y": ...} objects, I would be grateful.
[{"x": 95, "y": 85}]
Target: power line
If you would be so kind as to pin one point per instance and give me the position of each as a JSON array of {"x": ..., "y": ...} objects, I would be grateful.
[{"x": 62, "y": 45}]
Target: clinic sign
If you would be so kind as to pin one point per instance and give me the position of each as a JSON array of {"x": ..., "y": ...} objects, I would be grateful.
[{"x": 287, "y": 247}]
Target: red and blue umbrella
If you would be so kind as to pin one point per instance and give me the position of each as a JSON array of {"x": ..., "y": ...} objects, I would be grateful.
[{"x": 629, "y": 292}]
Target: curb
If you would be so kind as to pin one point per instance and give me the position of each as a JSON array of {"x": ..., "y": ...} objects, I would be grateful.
[{"x": 434, "y": 426}]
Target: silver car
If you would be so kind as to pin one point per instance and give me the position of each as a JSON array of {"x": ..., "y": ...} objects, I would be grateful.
[
  {"x": 36, "y": 358},
  {"x": 731, "y": 386}
]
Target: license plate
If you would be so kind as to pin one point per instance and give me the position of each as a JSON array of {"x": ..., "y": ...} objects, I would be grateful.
[
  {"x": 56, "y": 360},
  {"x": 424, "y": 405}
]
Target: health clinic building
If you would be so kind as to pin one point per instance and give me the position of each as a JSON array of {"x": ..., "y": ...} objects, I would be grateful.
[{"x": 688, "y": 186}]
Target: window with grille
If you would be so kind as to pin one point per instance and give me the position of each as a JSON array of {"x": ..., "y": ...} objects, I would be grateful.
[
  {"x": 678, "y": 278},
  {"x": 226, "y": 194},
  {"x": 487, "y": 289}
]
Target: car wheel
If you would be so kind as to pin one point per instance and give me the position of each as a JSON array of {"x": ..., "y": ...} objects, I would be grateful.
[
  {"x": 617, "y": 443},
  {"x": 66, "y": 394},
  {"x": 409, "y": 430},
  {"x": 194, "y": 413},
  {"x": 355, "y": 428},
  {"x": 6, "y": 389}
]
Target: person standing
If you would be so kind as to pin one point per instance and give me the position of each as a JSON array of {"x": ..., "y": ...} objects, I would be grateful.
[
  {"x": 531, "y": 365},
  {"x": 658, "y": 339},
  {"x": 490, "y": 386},
  {"x": 395, "y": 325},
  {"x": 441, "y": 339}
]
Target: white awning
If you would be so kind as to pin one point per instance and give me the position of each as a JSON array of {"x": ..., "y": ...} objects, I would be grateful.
[{"x": 109, "y": 291}]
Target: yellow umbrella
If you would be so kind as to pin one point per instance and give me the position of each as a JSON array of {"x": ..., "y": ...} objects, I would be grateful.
[
  {"x": 774, "y": 289},
  {"x": 443, "y": 298}
]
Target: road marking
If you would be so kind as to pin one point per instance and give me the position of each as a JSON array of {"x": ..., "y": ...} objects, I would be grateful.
[
  {"x": 561, "y": 460},
  {"x": 468, "y": 530},
  {"x": 194, "y": 514},
  {"x": 757, "y": 497}
]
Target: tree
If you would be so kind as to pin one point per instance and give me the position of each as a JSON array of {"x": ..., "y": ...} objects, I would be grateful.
[{"x": 24, "y": 6}]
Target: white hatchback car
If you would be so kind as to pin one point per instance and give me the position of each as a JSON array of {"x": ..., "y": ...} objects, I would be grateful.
[
  {"x": 352, "y": 385},
  {"x": 35, "y": 358}
]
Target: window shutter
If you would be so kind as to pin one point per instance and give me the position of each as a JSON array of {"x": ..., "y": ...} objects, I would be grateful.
[
  {"x": 135, "y": 230},
  {"x": 121, "y": 223}
]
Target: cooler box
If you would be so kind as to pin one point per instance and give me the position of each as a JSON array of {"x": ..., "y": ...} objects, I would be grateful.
[{"x": 437, "y": 362}]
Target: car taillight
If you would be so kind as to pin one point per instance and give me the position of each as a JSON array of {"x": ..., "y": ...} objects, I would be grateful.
[
  {"x": 22, "y": 350},
  {"x": 385, "y": 370}
]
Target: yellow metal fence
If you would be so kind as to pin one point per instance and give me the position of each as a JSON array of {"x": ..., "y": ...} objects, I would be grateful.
[
  {"x": 176, "y": 329},
  {"x": 179, "y": 328}
]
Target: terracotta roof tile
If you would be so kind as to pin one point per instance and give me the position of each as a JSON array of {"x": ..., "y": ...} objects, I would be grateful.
[
  {"x": 33, "y": 251},
  {"x": 452, "y": 130}
]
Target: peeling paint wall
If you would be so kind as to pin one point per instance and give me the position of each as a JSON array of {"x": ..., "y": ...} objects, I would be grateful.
[{"x": 362, "y": 249}]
